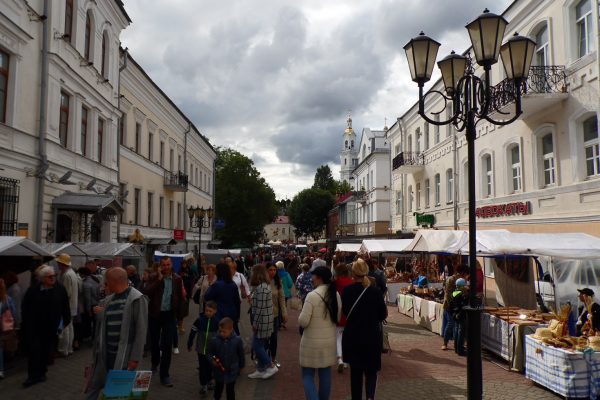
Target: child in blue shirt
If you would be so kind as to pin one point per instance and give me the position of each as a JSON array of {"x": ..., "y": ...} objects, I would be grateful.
[
  {"x": 206, "y": 327},
  {"x": 226, "y": 351}
]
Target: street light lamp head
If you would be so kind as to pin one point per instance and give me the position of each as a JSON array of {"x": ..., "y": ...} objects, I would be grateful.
[
  {"x": 486, "y": 34},
  {"x": 453, "y": 68},
  {"x": 191, "y": 212},
  {"x": 421, "y": 52},
  {"x": 517, "y": 55},
  {"x": 209, "y": 212}
]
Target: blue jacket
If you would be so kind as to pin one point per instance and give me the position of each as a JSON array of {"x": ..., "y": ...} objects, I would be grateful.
[
  {"x": 286, "y": 282},
  {"x": 230, "y": 352},
  {"x": 227, "y": 297},
  {"x": 206, "y": 329}
]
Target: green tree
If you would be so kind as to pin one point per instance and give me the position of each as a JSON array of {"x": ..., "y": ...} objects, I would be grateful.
[
  {"x": 308, "y": 211},
  {"x": 324, "y": 180},
  {"x": 243, "y": 199},
  {"x": 343, "y": 187}
]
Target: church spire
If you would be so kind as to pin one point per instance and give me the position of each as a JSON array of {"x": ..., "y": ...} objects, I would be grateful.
[{"x": 349, "y": 122}]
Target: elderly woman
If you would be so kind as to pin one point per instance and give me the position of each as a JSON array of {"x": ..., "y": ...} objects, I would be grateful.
[
  {"x": 320, "y": 314},
  {"x": 365, "y": 310},
  {"x": 202, "y": 285}
]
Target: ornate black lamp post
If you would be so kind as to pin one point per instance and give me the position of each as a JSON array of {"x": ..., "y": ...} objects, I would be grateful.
[
  {"x": 200, "y": 218},
  {"x": 472, "y": 101}
]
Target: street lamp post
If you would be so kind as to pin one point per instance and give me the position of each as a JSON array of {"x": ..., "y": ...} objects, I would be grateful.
[
  {"x": 472, "y": 101},
  {"x": 200, "y": 218}
]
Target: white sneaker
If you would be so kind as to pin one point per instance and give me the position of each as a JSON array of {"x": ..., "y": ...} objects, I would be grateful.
[
  {"x": 257, "y": 375},
  {"x": 270, "y": 372},
  {"x": 176, "y": 350}
]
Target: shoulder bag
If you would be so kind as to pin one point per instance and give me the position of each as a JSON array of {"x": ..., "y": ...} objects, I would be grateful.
[{"x": 353, "y": 305}]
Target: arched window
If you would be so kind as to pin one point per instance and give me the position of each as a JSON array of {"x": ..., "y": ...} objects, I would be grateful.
[
  {"x": 87, "y": 43},
  {"x": 488, "y": 176},
  {"x": 541, "y": 53},
  {"x": 437, "y": 189},
  {"x": 591, "y": 144},
  {"x": 346, "y": 144},
  {"x": 105, "y": 55},
  {"x": 352, "y": 144},
  {"x": 548, "y": 160},
  {"x": 585, "y": 28},
  {"x": 418, "y": 195},
  {"x": 427, "y": 193},
  {"x": 449, "y": 185},
  {"x": 410, "y": 198},
  {"x": 514, "y": 161}
]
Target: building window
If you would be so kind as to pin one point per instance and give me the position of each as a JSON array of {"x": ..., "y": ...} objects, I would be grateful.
[
  {"x": 398, "y": 202},
  {"x": 426, "y": 137},
  {"x": 9, "y": 206},
  {"x": 162, "y": 154},
  {"x": 150, "y": 146},
  {"x": 549, "y": 166},
  {"x": 122, "y": 129},
  {"x": 136, "y": 206},
  {"x": 488, "y": 175},
  {"x": 100, "y": 138},
  {"x": 69, "y": 20},
  {"x": 179, "y": 216},
  {"x": 171, "y": 159},
  {"x": 427, "y": 192},
  {"x": 437, "y": 189},
  {"x": 418, "y": 195},
  {"x": 105, "y": 57},
  {"x": 63, "y": 127},
  {"x": 123, "y": 200},
  {"x": 410, "y": 198},
  {"x": 436, "y": 129},
  {"x": 171, "y": 215},
  {"x": 591, "y": 144},
  {"x": 179, "y": 163},
  {"x": 161, "y": 212},
  {"x": 449, "y": 185},
  {"x": 515, "y": 168},
  {"x": 84, "y": 130},
  {"x": 87, "y": 44},
  {"x": 138, "y": 137},
  {"x": 418, "y": 141},
  {"x": 150, "y": 208},
  {"x": 585, "y": 33},
  {"x": 541, "y": 53},
  {"x": 4, "y": 61}
]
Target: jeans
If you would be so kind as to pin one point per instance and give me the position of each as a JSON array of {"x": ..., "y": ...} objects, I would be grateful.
[
  {"x": 162, "y": 333},
  {"x": 204, "y": 369},
  {"x": 230, "y": 390},
  {"x": 459, "y": 337},
  {"x": 340, "y": 333},
  {"x": 272, "y": 343},
  {"x": 310, "y": 389},
  {"x": 448, "y": 330},
  {"x": 356, "y": 382},
  {"x": 263, "y": 361}
]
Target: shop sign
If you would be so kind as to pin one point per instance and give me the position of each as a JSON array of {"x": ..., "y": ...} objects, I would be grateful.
[
  {"x": 501, "y": 210},
  {"x": 178, "y": 234},
  {"x": 425, "y": 219}
]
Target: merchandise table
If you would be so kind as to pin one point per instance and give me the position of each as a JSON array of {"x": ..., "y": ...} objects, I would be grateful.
[
  {"x": 405, "y": 304},
  {"x": 571, "y": 374},
  {"x": 429, "y": 314},
  {"x": 393, "y": 290},
  {"x": 505, "y": 340}
]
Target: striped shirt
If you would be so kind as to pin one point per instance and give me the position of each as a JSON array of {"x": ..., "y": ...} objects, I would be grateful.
[{"x": 114, "y": 318}]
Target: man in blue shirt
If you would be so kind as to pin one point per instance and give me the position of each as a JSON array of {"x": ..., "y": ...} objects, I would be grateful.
[{"x": 165, "y": 294}]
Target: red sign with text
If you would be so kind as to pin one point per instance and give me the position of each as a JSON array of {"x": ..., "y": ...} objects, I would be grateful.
[
  {"x": 178, "y": 234},
  {"x": 501, "y": 210}
]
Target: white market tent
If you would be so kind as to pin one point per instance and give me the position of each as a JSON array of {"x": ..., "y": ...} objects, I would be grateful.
[
  {"x": 450, "y": 241},
  {"x": 348, "y": 247},
  {"x": 185, "y": 256},
  {"x": 57, "y": 248},
  {"x": 18, "y": 246},
  {"x": 384, "y": 246},
  {"x": 102, "y": 249}
]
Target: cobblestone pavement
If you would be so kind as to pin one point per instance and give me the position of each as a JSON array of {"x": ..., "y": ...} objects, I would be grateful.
[{"x": 416, "y": 369}]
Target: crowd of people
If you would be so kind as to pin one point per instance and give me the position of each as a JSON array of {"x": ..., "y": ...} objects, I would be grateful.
[{"x": 124, "y": 316}]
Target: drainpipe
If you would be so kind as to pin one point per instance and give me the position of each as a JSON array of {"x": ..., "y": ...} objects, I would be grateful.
[
  {"x": 121, "y": 68},
  {"x": 185, "y": 171},
  {"x": 41, "y": 183}
]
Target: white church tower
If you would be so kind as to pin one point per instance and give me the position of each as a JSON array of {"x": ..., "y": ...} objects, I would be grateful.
[{"x": 349, "y": 154}]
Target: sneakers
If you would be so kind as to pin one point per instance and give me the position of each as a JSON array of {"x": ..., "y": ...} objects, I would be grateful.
[
  {"x": 270, "y": 372},
  {"x": 257, "y": 375},
  {"x": 176, "y": 350},
  {"x": 277, "y": 364},
  {"x": 444, "y": 347}
]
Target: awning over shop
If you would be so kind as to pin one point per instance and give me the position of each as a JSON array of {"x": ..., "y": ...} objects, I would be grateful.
[
  {"x": 348, "y": 247},
  {"x": 91, "y": 203},
  {"x": 384, "y": 245},
  {"x": 18, "y": 246}
]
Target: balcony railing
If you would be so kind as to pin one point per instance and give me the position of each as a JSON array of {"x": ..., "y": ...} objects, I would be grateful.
[
  {"x": 176, "y": 181},
  {"x": 408, "y": 158},
  {"x": 541, "y": 80}
]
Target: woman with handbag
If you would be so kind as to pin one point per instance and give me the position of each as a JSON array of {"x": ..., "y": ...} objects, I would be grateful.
[
  {"x": 201, "y": 287},
  {"x": 365, "y": 311},
  {"x": 7, "y": 322}
]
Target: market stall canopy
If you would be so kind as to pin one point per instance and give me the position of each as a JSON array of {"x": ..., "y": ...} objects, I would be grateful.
[
  {"x": 102, "y": 249},
  {"x": 384, "y": 245},
  {"x": 348, "y": 247},
  {"x": 18, "y": 246},
  {"x": 439, "y": 241},
  {"x": 57, "y": 248},
  {"x": 185, "y": 256}
]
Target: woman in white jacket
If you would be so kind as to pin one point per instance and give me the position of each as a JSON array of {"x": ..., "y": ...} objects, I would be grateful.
[{"x": 319, "y": 316}]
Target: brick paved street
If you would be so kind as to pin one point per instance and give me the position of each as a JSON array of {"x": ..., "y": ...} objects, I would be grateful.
[{"x": 417, "y": 369}]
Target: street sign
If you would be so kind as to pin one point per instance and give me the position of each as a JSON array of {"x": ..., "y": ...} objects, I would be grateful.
[
  {"x": 178, "y": 234},
  {"x": 219, "y": 224}
]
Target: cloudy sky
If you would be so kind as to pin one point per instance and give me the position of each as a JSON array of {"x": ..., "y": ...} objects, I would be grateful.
[{"x": 274, "y": 79}]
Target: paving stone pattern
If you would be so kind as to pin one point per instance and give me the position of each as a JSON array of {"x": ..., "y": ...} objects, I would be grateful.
[{"x": 416, "y": 369}]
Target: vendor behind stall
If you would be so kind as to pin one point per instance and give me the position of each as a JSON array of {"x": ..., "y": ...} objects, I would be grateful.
[{"x": 589, "y": 315}]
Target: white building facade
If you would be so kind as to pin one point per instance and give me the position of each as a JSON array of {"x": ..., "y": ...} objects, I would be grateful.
[
  {"x": 538, "y": 174},
  {"x": 58, "y": 118}
]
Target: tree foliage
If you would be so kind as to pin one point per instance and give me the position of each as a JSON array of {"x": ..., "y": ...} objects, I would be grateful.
[
  {"x": 324, "y": 179},
  {"x": 308, "y": 211},
  {"x": 343, "y": 187},
  {"x": 243, "y": 199}
]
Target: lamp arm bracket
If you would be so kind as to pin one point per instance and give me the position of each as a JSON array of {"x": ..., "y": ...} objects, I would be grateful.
[
  {"x": 501, "y": 123},
  {"x": 446, "y": 101}
]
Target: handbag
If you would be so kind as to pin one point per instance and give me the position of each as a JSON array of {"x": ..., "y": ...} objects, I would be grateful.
[
  {"x": 296, "y": 303},
  {"x": 8, "y": 322}
]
